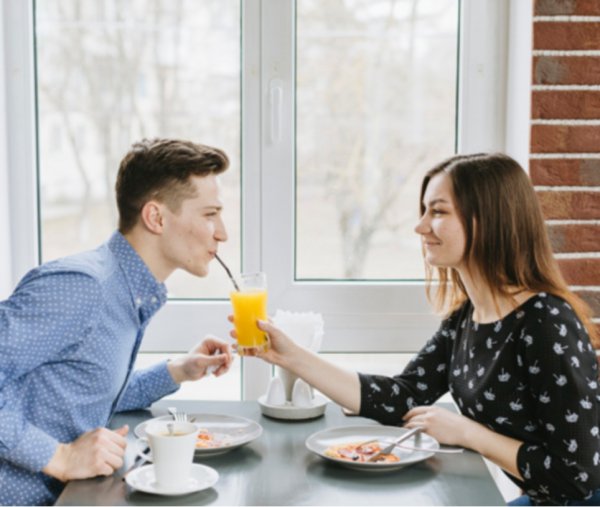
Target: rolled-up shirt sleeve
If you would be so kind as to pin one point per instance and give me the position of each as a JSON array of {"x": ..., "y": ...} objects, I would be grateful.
[
  {"x": 423, "y": 381},
  {"x": 44, "y": 316},
  {"x": 561, "y": 464}
]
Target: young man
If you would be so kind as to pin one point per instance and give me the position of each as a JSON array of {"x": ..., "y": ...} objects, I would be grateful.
[{"x": 70, "y": 332}]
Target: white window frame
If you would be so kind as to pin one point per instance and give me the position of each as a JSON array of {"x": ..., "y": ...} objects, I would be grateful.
[{"x": 359, "y": 317}]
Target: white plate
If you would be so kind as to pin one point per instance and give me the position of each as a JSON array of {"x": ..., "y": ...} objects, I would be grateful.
[
  {"x": 322, "y": 440},
  {"x": 317, "y": 409},
  {"x": 232, "y": 431},
  {"x": 202, "y": 477}
]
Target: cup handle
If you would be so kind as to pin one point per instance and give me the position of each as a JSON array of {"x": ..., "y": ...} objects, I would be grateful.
[{"x": 143, "y": 452}]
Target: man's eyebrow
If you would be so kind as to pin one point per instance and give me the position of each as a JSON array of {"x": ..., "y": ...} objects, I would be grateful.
[{"x": 218, "y": 208}]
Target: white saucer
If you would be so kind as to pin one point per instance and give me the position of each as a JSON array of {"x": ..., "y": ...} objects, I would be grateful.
[
  {"x": 202, "y": 477},
  {"x": 288, "y": 411}
]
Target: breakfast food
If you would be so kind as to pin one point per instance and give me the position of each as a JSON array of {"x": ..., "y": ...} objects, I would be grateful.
[
  {"x": 360, "y": 453},
  {"x": 209, "y": 440}
]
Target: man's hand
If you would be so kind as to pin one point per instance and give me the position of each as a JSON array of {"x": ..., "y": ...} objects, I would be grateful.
[
  {"x": 97, "y": 452},
  {"x": 194, "y": 365}
]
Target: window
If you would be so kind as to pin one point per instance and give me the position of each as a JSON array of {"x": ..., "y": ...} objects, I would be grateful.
[
  {"x": 322, "y": 106},
  {"x": 109, "y": 73},
  {"x": 375, "y": 108}
]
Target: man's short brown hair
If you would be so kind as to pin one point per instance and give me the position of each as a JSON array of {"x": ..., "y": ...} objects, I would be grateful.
[{"x": 160, "y": 169}]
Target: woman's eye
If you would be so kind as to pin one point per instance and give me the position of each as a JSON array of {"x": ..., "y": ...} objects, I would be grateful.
[{"x": 437, "y": 212}]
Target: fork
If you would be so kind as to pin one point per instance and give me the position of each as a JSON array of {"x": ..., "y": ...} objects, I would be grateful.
[
  {"x": 387, "y": 449},
  {"x": 177, "y": 416}
]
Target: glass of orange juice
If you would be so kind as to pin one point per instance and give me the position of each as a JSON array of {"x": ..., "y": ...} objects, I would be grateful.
[{"x": 249, "y": 305}]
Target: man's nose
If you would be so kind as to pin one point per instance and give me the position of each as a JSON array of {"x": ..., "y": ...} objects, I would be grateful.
[{"x": 221, "y": 231}]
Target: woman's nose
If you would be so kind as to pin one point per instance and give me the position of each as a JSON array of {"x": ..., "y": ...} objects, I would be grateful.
[{"x": 422, "y": 227}]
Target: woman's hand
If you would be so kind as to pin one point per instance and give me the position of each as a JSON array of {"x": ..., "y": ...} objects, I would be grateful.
[
  {"x": 454, "y": 429},
  {"x": 340, "y": 385},
  {"x": 282, "y": 349},
  {"x": 445, "y": 426}
]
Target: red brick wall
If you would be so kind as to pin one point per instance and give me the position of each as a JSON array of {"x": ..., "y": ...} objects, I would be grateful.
[{"x": 565, "y": 136}]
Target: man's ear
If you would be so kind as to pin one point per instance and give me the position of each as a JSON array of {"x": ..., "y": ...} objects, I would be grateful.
[{"x": 152, "y": 217}]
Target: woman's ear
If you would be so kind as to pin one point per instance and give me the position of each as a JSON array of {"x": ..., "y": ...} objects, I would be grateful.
[{"x": 152, "y": 217}]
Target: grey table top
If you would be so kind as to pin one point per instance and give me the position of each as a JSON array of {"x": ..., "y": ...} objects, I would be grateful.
[{"x": 277, "y": 469}]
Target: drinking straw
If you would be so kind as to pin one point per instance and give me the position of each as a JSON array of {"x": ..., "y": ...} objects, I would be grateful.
[{"x": 228, "y": 273}]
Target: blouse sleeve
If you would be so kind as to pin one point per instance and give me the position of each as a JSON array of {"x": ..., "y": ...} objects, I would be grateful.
[
  {"x": 563, "y": 378},
  {"x": 423, "y": 381}
]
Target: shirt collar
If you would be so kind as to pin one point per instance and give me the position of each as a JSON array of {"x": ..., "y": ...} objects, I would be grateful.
[{"x": 148, "y": 294}]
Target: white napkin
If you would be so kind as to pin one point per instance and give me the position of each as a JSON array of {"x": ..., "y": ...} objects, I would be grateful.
[{"x": 305, "y": 328}]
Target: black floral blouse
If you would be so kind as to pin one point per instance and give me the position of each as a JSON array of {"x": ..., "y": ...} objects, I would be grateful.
[{"x": 532, "y": 376}]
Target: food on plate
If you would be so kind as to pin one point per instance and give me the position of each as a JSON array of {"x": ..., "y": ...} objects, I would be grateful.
[
  {"x": 209, "y": 440},
  {"x": 360, "y": 453}
]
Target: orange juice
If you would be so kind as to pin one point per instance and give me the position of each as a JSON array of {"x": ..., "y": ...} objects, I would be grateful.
[{"x": 248, "y": 307}]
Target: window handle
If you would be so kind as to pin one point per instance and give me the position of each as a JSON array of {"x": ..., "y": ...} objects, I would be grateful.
[{"x": 276, "y": 109}]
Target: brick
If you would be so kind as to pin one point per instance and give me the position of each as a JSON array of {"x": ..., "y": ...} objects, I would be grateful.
[
  {"x": 561, "y": 70},
  {"x": 580, "y": 271},
  {"x": 563, "y": 205},
  {"x": 566, "y": 35},
  {"x": 596, "y": 342},
  {"x": 592, "y": 299},
  {"x": 565, "y": 138},
  {"x": 571, "y": 172},
  {"x": 574, "y": 238},
  {"x": 565, "y": 104},
  {"x": 567, "y": 7}
]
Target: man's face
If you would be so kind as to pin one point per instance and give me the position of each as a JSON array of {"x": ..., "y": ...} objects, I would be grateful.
[{"x": 191, "y": 236}]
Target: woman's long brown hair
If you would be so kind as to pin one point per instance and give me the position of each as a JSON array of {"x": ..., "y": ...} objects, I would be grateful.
[{"x": 506, "y": 237}]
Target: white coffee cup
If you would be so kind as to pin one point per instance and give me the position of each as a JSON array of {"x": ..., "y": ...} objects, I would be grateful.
[{"x": 172, "y": 444}]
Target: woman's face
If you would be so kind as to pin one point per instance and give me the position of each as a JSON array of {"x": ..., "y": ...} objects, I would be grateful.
[{"x": 440, "y": 226}]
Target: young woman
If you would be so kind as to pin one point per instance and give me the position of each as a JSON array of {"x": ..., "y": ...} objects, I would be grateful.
[{"x": 514, "y": 349}]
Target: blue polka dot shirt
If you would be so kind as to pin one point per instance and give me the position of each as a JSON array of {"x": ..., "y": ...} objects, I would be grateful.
[{"x": 69, "y": 335}]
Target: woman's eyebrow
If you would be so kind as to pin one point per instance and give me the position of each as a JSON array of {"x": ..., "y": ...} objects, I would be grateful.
[{"x": 437, "y": 201}]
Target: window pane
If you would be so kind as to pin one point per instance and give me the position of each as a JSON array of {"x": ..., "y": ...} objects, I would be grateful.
[
  {"x": 112, "y": 72},
  {"x": 225, "y": 387},
  {"x": 376, "y": 102}
]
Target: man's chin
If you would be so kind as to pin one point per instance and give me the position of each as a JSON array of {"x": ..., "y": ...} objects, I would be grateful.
[{"x": 199, "y": 271}]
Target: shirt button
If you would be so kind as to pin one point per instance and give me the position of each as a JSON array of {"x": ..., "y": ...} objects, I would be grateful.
[
  {"x": 138, "y": 301},
  {"x": 154, "y": 300}
]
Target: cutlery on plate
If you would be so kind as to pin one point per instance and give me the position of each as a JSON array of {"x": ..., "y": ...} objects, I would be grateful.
[
  {"x": 387, "y": 449},
  {"x": 450, "y": 450},
  {"x": 177, "y": 416}
]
